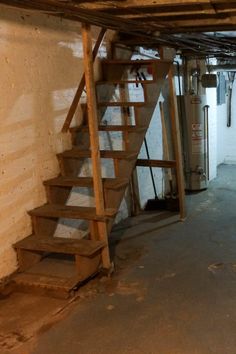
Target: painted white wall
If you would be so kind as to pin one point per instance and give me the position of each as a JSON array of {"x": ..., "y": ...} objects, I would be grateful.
[
  {"x": 226, "y": 152},
  {"x": 213, "y": 143}
]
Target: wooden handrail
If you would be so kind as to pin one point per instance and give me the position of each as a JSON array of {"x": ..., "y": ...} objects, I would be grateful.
[{"x": 80, "y": 89}]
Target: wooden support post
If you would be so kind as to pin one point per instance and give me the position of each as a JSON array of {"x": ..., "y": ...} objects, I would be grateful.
[
  {"x": 94, "y": 139},
  {"x": 177, "y": 144}
]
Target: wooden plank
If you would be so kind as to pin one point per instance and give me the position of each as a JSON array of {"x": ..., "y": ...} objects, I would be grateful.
[
  {"x": 123, "y": 81},
  {"x": 88, "y": 267},
  {"x": 192, "y": 10},
  {"x": 71, "y": 212},
  {"x": 121, "y": 104},
  {"x": 143, "y": 115},
  {"x": 109, "y": 183},
  {"x": 115, "y": 128},
  {"x": 143, "y": 62},
  {"x": 61, "y": 245},
  {"x": 106, "y": 154},
  {"x": 156, "y": 163},
  {"x": 55, "y": 277},
  {"x": 105, "y": 15},
  {"x": 177, "y": 144},
  {"x": 80, "y": 89},
  {"x": 94, "y": 140},
  {"x": 45, "y": 285},
  {"x": 27, "y": 259}
]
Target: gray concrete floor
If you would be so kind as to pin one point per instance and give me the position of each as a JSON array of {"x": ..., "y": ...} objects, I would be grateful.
[{"x": 174, "y": 291}]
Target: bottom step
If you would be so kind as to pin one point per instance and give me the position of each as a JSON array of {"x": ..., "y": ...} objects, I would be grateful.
[{"x": 53, "y": 276}]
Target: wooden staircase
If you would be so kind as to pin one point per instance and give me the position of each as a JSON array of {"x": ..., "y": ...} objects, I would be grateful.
[{"x": 58, "y": 265}]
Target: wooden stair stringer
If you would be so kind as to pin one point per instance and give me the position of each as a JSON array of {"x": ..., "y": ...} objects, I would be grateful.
[{"x": 145, "y": 114}]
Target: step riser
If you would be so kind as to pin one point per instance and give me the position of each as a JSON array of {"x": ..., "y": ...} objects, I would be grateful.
[
  {"x": 57, "y": 195},
  {"x": 103, "y": 136},
  {"x": 44, "y": 226},
  {"x": 109, "y": 73},
  {"x": 69, "y": 166},
  {"x": 27, "y": 259},
  {"x": 72, "y": 166},
  {"x": 115, "y": 71},
  {"x": 86, "y": 267},
  {"x": 37, "y": 289}
]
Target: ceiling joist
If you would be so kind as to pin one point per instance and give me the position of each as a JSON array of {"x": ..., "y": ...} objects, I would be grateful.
[{"x": 177, "y": 23}]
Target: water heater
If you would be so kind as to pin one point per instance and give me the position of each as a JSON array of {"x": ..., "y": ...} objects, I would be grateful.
[{"x": 195, "y": 141}]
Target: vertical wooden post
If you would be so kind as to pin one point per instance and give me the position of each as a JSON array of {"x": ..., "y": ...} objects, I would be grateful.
[
  {"x": 177, "y": 144},
  {"x": 94, "y": 138}
]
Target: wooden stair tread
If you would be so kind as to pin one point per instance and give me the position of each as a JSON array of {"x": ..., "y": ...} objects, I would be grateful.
[
  {"x": 121, "y": 104},
  {"x": 133, "y": 62},
  {"x": 156, "y": 163},
  {"x": 120, "y": 82},
  {"x": 115, "y": 128},
  {"x": 112, "y": 154},
  {"x": 109, "y": 183},
  {"x": 81, "y": 247},
  {"x": 54, "y": 276},
  {"x": 44, "y": 281},
  {"x": 70, "y": 212}
]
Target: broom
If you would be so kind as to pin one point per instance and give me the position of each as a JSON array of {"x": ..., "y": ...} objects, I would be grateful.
[
  {"x": 156, "y": 203},
  {"x": 172, "y": 202}
]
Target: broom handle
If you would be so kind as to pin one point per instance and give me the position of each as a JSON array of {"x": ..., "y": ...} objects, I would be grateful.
[
  {"x": 165, "y": 142},
  {"x": 150, "y": 168}
]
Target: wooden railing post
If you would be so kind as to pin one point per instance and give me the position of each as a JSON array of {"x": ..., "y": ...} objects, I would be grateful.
[
  {"x": 94, "y": 138},
  {"x": 177, "y": 144},
  {"x": 80, "y": 89}
]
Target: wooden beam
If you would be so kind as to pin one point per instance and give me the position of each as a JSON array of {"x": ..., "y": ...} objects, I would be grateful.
[
  {"x": 94, "y": 139},
  {"x": 177, "y": 144},
  {"x": 115, "y": 15},
  {"x": 156, "y": 163},
  {"x": 80, "y": 89}
]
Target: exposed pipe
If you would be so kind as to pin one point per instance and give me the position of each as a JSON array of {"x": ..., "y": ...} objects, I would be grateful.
[{"x": 231, "y": 77}]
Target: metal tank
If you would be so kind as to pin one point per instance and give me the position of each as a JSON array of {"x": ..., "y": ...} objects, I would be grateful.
[{"x": 195, "y": 141}]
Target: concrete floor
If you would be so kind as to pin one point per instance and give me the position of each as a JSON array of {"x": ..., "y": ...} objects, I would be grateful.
[{"x": 174, "y": 291}]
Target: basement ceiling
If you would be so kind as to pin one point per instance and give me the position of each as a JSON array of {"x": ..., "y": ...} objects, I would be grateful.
[{"x": 196, "y": 28}]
